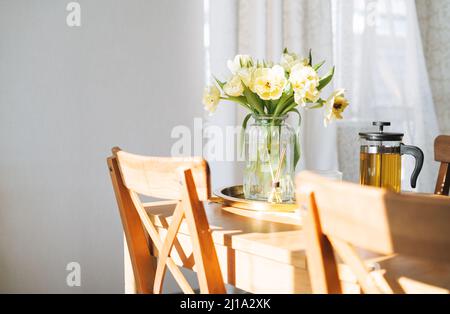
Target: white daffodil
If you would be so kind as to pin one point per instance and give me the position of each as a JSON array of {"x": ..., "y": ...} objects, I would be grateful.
[
  {"x": 304, "y": 81},
  {"x": 211, "y": 97},
  {"x": 335, "y": 106},
  {"x": 234, "y": 87},
  {"x": 310, "y": 92},
  {"x": 245, "y": 74},
  {"x": 299, "y": 100},
  {"x": 289, "y": 60},
  {"x": 243, "y": 66},
  {"x": 269, "y": 83},
  {"x": 239, "y": 61}
]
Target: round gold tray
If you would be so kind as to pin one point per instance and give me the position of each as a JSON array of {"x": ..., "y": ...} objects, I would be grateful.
[{"x": 234, "y": 197}]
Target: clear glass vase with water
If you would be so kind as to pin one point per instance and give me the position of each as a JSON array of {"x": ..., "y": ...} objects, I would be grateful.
[{"x": 269, "y": 153}]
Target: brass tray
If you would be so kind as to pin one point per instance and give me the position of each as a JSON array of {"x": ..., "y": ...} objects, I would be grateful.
[{"x": 234, "y": 197}]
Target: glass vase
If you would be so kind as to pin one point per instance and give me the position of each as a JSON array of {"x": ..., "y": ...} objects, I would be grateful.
[{"x": 269, "y": 164}]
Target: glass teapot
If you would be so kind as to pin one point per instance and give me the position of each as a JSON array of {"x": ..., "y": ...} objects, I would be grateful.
[{"x": 380, "y": 158}]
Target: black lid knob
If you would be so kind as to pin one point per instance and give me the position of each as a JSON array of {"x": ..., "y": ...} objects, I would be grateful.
[{"x": 381, "y": 124}]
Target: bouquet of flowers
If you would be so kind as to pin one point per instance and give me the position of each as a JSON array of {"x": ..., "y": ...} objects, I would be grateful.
[
  {"x": 270, "y": 92},
  {"x": 265, "y": 88}
]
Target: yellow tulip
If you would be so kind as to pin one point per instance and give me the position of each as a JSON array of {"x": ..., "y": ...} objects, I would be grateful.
[
  {"x": 234, "y": 87},
  {"x": 289, "y": 60},
  {"x": 335, "y": 106},
  {"x": 304, "y": 80},
  {"x": 211, "y": 97},
  {"x": 269, "y": 83}
]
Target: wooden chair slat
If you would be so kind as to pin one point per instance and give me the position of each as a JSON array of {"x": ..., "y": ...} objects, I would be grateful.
[
  {"x": 154, "y": 236},
  {"x": 167, "y": 247},
  {"x": 322, "y": 266},
  {"x": 351, "y": 258},
  {"x": 159, "y": 177}
]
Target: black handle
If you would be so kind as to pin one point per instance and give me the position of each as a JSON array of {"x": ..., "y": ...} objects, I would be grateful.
[{"x": 417, "y": 153}]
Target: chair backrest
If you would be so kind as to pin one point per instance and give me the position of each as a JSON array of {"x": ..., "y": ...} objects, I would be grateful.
[
  {"x": 343, "y": 216},
  {"x": 160, "y": 177},
  {"x": 187, "y": 182},
  {"x": 442, "y": 155}
]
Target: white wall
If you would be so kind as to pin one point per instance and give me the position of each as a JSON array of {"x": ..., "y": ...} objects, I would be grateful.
[{"x": 132, "y": 71}]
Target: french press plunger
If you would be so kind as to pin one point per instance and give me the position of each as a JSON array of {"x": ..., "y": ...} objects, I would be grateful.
[{"x": 380, "y": 158}]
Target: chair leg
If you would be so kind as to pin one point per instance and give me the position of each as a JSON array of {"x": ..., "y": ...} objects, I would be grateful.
[{"x": 141, "y": 260}]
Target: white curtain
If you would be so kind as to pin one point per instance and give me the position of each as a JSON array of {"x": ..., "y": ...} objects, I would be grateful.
[
  {"x": 264, "y": 29},
  {"x": 379, "y": 54},
  {"x": 377, "y": 50}
]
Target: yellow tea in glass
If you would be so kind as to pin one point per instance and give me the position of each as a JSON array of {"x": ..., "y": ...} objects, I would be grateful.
[
  {"x": 380, "y": 159},
  {"x": 381, "y": 170}
]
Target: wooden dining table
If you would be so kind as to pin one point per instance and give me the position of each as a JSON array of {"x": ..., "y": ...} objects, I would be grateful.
[{"x": 264, "y": 252}]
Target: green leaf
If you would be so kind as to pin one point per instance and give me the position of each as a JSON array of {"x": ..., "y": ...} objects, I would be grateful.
[
  {"x": 253, "y": 100},
  {"x": 221, "y": 84},
  {"x": 290, "y": 90},
  {"x": 285, "y": 50},
  {"x": 326, "y": 79},
  {"x": 244, "y": 126},
  {"x": 273, "y": 105},
  {"x": 289, "y": 106},
  {"x": 297, "y": 151},
  {"x": 239, "y": 99},
  {"x": 310, "y": 58},
  {"x": 316, "y": 106},
  {"x": 318, "y": 65},
  {"x": 285, "y": 99},
  {"x": 245, "y": 122},
  {"x": 268, "y": 105},
  {"x": 299, "y": 115}
]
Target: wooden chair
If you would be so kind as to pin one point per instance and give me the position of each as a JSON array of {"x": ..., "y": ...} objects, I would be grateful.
[
  {"x": 442, "y": 155},
  {"x": 187, "y": 182},
  {"x": 348, "y": 219}
]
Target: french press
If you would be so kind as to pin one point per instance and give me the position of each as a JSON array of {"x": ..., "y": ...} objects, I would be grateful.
[{"x": 380, "y": 158}]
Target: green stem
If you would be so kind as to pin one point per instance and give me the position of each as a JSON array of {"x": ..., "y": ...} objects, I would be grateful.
[
  {"x": 281, "y": 105},
  {"x": 289, "y": 107},
  {"x": 246, "y": 106}
]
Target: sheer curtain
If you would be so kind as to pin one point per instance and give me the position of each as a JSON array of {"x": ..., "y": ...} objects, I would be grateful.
[
  {"x": 379, "y": 54},
  {"x": 264, "y": 29},
  {"x": 377, "y": 50}
]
